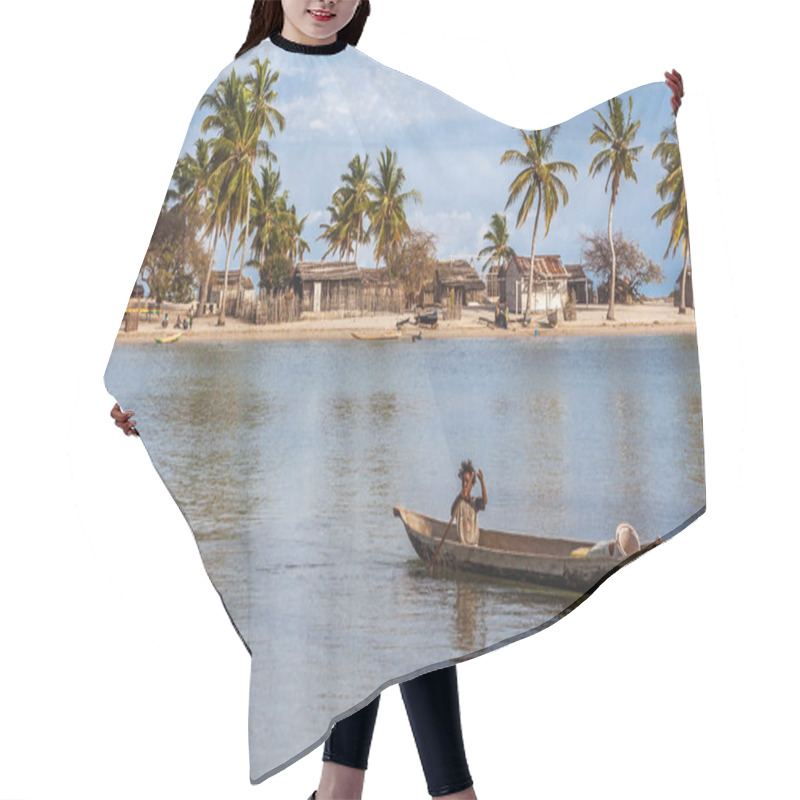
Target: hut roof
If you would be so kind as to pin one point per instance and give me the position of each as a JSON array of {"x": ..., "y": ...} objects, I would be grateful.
[
  {"x": 328, "y": 271},
  {"x": 218, "y": 279},
  {"x": 575, "y": 271},
  {"x": 548, "y": 267},
  {"x": 458, "y": 273},
  {"x": 377, "y": 276}
]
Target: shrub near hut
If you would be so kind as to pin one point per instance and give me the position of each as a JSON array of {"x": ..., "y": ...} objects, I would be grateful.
[
  {"x": 634, "y": 269},
  {"x": 413, "y": 264}
]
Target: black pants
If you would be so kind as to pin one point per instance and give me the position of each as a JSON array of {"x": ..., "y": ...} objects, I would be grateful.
[{"x": 432, "y": 706}]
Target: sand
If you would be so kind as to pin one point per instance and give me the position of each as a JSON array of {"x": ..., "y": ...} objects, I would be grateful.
[{"x": 644, "y": 318}]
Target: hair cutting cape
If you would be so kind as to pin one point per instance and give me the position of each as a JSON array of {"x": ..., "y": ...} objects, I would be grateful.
[{"x": 318, "y": 470}]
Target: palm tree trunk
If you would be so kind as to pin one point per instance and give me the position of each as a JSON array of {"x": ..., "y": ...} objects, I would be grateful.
[
  {"x": 240, "y": 287},
  {"x": 612, "y": 284},
  {"x": 533, "y": 256},
  {"x": 221, "y": 318},
  {"x": 204, "y": 297},
  {"x": 682, "y": 307}
]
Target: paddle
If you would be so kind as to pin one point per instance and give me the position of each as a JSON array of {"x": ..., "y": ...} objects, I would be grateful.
[{"x": 447, "y": 529}]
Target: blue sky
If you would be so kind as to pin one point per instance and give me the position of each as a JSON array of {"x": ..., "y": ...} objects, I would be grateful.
[{"x": 341, "y": 105}]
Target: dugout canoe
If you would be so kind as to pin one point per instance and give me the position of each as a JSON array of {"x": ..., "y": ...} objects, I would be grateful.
[
  {"x": 540, "y": 560},
  {"x": 168, "y": 339},
  {"x": 375, "y": 337}
]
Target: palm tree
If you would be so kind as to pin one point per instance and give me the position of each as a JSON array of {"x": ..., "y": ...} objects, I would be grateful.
[
  {"x": 355, "y": 198},
  {"x": 537, "y": 181},
  {"x": 498, "y": 249},
  {"x": 388, "y": 223},
  {"x": 671, "y": 189},
  {"x": 192, "y": 179},
  {"x": 349, "y": 204},
  {"x": 267, "y": 210},
  {"x": 242, "y": 108},
  {"x": 337, "y": 233},
  {"x": 615, "y": 134},
  {"x": 261, "y": 94}
]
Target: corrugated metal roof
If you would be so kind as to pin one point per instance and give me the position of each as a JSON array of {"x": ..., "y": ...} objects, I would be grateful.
[{"x": 547, "y": 266}]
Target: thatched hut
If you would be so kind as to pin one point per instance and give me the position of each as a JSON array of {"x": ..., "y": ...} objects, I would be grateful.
[
  {"x": 379, "y": 293},
  {"x": 458, "y": 280},
  {"x": 216, "y": 284},
  {"x": 328, "y": 286}
]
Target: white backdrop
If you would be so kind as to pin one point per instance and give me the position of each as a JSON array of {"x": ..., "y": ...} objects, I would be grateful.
[{"x": 120, "y": 675}]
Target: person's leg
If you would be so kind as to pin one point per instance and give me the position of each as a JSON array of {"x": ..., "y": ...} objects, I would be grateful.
[
  {"x": 433, "y": 711},
  {"x": 346, "y": 754}
]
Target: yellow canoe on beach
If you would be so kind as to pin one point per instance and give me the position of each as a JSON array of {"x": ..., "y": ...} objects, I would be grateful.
[
  {"x": 168, "y": 339},
  {"x": 375, "y": 337}
]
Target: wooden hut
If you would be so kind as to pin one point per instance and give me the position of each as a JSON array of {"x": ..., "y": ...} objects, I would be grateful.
[
  {"x": 496, "y": 283},
  {"x": 232, "y": 293},
  {"x": 458, "y": 280},
  {"x": 579, "y": 285},
  {"x": 379, "y": 293},
  {"x": 328, "y": 286},
  {"x": 550, "y": 283}
]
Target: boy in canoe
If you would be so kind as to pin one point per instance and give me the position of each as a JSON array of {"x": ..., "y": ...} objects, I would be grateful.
[{"x": 465, "y": 507}]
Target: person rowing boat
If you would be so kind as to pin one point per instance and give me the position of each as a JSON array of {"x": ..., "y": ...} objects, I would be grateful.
[{"x": 465, "y": 507}]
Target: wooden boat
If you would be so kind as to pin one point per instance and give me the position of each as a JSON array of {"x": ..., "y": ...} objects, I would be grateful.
[
  {"x": 168, "y": 339},
  {"x": 376, "y": 337},
  {"x": 534, "y": 559},
  {"x": 552, "y": 318}
]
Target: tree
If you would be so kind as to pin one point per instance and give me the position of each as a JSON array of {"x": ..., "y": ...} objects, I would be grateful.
[
  {"x": 387, "y": 215},
  {"x": 242, "y": 109},
  {"x": 498, "y": 249},
  {"x": 538, "y": 181},
  {"x": 349, "y": 205},
  {"x": 615, "y": 134},
  {"x": 192, "y": 179},
  {"x": 275, "y": 273},
  {"x": 172, "y": 263},
  {"x": 671, "y": 189},
  {"x": 413, "y": 262},
  {"x": 633, "y": 268}
]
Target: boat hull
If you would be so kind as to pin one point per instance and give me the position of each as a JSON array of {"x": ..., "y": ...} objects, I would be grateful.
[
  {"x": 534, "y": 559},
  {"x": 375, "y": 337}
]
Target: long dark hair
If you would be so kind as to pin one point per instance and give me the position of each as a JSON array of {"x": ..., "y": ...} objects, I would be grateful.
[{"x": 266, "y": 18}]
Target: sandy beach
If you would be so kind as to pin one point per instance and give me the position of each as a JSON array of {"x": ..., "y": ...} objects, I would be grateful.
[{"x": 645, "y": 318}]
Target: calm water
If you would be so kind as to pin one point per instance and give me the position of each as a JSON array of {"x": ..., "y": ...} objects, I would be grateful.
[{"x": 287, "y": 458}]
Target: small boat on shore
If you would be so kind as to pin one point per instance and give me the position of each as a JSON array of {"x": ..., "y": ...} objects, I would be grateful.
[
  {"x": 376, "y": 337},
  {"x": 168, "y": 339},
  {"x": 559, "y": 563}
]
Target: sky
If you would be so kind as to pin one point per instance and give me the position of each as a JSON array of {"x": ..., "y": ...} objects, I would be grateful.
[{"x": 346, "y": 104}]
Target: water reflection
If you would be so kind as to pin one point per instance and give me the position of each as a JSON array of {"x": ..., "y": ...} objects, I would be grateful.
[{"x": 288, "y": 458}]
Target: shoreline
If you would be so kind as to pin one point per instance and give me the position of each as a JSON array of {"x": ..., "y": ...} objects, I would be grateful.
[{"x": 642, "y": 319}]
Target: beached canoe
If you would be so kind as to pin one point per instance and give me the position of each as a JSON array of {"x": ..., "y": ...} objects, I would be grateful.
[
  {"x": 534, "y": 559},
  {"x": 168, "y": 339},
  {"x": 375, "y": 337}
]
